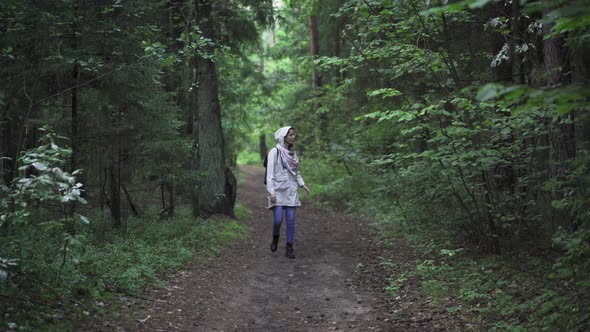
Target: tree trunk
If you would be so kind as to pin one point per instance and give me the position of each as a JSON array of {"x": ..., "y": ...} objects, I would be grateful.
[
  {"x": 8, "y": 148},
  {"x": 171, "y": 198},
  {"x": 115, "y": 196},
  {"x": 316, "y": 82},
  {"x": 273, "y": 27},
  {"x": 516, "y": 37},
  {"x": 208, "y": 155},
  {"x": 74, "y": 138},
  {"x": 449, "y": 58},
  {"x": 115, "y": 178},
  {"x": 315, "y": 50},
  {"x": 132, "y": 206},
  {"x": 340, "y": 22},
  {"x": 262, "y": 146},
  {"x": 75, "y": 79},
  {"x": 502, "y": 71},
  {"x": 563, "y": 135}
]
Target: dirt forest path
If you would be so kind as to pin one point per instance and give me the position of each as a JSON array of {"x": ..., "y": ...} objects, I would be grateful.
[{"x": 249, "y": 288}]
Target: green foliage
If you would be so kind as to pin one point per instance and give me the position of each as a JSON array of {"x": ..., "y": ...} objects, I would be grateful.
[
  {"x": 418, "y": 123},
  {"x": 395, "y": 284},
  {"x": 151, "y": 247},
  {"x": 447, "y": 159},
  {"x": 249, "y": 158},
  {"x": 42, "y": 183},
  {"x": 126, "y": 263},
  {"x": 49, "y": 255},
  {"x": 47, "y": 182}
]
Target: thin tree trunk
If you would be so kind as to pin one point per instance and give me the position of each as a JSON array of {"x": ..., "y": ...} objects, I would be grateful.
[
  {"x": 563, "y": 134},
  {"x": 115, "y": 196},
  {"x": 314, "y": 50},
  {"x": 115, "y": 178},
  {"x": 262, "y": 146},
  {"x": 502, "y": 71},
  {"x": 8, "y": 148},
  {"x": 75, "y": 79},
  {"x": 74, "y": 138},
  {"x": 273, "y": 26},
  {"x": 516, "y": 38},
  {"x": 163, "y": 195},
  {"x": 449, "y": 59},
  {"x": 171, "y": 199},
  {"x": 130, "y": 201},
  {"x": 102, "y": 171},
  {"x": 338, "y": 41},
  {"x": 74, "y": 122}
]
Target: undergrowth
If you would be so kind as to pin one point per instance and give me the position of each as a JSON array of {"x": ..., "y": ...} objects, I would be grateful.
[
  {"x": 249, "y": 158},
  {"x": 103, "y": 263},
  {"x": 517, "y": 291}
]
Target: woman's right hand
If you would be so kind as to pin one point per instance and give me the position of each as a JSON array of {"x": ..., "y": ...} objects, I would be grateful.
[
  {"x": 306, "y": 189},
  {"x": 273, "y": 198}
]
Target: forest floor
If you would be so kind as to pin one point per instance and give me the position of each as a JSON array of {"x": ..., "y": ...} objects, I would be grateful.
[{"x": 336, "y": 282}]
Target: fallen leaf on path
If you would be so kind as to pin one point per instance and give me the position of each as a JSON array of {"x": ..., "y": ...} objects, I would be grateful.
[{"x": 145, "y": 319}]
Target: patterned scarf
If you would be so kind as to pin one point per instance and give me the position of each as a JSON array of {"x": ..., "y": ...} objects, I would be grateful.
[{"x": 289, "y": 159}]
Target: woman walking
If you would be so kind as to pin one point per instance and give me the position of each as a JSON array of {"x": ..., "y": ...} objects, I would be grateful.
[{"x": 282, "y": 181}]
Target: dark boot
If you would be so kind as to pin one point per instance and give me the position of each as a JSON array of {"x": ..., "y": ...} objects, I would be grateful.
[
  {"x": 290, "y": 251},
  {"x": 275, "y": 241}
]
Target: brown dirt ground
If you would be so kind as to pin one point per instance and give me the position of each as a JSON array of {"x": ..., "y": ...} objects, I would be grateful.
[{"x": 336, "y": 282}]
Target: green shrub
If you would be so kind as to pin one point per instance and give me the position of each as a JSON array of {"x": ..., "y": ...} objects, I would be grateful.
[
  {"x": 249, "y": 158},
  {"x": 98, "y": 264}
]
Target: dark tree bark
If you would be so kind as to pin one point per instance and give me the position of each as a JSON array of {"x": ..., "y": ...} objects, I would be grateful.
[
  {"x": 115, "y": 178},
  {"x": 262, "y": 146},
  {"x": 516, "y": 37},
  {"x": 171, "y": 198},
  {"x": 209, "y": 194},
  {"x": 314, "y": 50},
  {"x": 132, "y": 206},
  {"x": 340, "y": 22},
  {"x": 74, "y": 138},
  {"x": 115, "y": 196},
  {"x": 557, "y": 68},
  {"x": 167, "y": 207},
  {"x": 563, "y": 134},
  {"x": 316, "y": 81},
  {"x": 8, "y": 148},
  {"x": 75, "y": 79},
  {"x": 503, "y": 71},
  {"x": 171, "y": 22}
]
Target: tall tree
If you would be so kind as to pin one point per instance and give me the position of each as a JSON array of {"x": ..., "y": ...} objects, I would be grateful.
[
  {"x": 209, "y": 194},
  {"x": 314, "y": 47},
  {"x": 562, "y": 136}
]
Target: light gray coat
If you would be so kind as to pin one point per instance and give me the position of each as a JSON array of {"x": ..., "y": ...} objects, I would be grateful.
[{"x": 282, "y": 183}]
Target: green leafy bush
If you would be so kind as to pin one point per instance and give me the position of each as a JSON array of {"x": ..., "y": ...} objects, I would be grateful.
[{"x": 51, "y": 257}]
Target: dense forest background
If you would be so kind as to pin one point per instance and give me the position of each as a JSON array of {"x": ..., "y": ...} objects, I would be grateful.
[{"x": 460, "y": 126}]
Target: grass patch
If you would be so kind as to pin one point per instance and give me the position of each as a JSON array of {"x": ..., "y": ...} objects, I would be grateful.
[
  {"x": 100, "y": 265},
  {"x": 249, "y": 158},
  {"x": 242, "y": 211},
  {"x": 491, "y": 291},
  {"x": 494, "y": 292}
]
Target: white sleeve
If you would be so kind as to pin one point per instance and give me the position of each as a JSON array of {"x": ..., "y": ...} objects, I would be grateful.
[
  {"x": 300, "y": 181},
  {"x": 270, "y": 171}
]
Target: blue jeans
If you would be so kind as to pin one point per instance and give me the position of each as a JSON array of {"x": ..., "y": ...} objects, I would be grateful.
[{"x": 277, "y": 213}]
